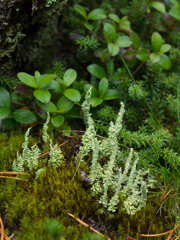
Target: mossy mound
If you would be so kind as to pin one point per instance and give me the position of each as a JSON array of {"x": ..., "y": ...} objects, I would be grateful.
[{"x": 25, "y": 205}]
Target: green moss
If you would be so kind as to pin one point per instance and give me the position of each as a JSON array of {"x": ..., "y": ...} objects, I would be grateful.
[{"x": 26, "y": 205}]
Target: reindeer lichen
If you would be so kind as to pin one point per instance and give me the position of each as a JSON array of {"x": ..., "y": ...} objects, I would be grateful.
[{"x": 108, "y": 176}]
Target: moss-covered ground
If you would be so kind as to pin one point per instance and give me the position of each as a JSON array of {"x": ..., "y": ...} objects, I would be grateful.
[{"x": 26, "y": 205}]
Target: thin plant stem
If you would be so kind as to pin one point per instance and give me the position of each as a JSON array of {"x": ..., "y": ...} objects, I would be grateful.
[{"x": 137, "y": 69}]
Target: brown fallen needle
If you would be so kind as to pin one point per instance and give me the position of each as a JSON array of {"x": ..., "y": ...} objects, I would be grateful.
[
  {"x": 86, "y": 225},
  {"x": 14, "y": 173},
  {"x": 3, "y": 235}
]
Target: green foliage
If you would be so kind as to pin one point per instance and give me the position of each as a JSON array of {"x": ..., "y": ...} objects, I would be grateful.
[
  {"x": 115, "y": 39},
  {"x": 8, "y": 82},
  {"x": 53, "y": 227},
  {"x": 42, "y": 91},
  {"x": 88, "y": 42},
  {"x": 27, "y": 205},
  {"x": 119, "y": 49}
]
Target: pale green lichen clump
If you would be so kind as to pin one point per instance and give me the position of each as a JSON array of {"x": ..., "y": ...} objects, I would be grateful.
[
  {"x": 109, "y": 176},
  {"x": 29, "y": 158}
]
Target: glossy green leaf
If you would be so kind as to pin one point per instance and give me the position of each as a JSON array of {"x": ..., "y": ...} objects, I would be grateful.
[
  {"x": 57, "y": 120},
  {"x": 105, "y": 55},
  {"x": 111, "y": 94},
  {"x": 66, "y": 129},
  {"x": 110, "y": 66},
  {"x": 69, "y": 77},
  {"x": 176, "y": 3},
  {"x": 114, "y": 17},
  {"x": 37, "y": 74},
  {"x": 156, "y": 42},
  {"x": 97, "y": 25},
  {"x": 158, "y": 6},
  {"x": 56, "y": 86},
  {"x": 42, "y": 95},
  {"x": 24, "y": 116},
  {"x": 165, "y": 48},
  {"x": 96, "y": 101},
  {"x": 49, "y": 107},
  {"x": 4, "y": 112},
  {"x": 123, "y": 41},
  {"x": 93, "y": 91},
  {"x": 175, "y": 13},
  {"x": 47, "y": 79},
  {"x": 27, "y": 79},
  {"x": 142, "y": 54},
  {"x": 135, "y": 40},
  {"x": 88, "y": 26},
  {"x": 113, "y": 49},
  {"x": 39, "y": 78},
  {"x": 125, "y": 23},
  {"x": 164, "y": 62},
  {"x": 5, "y": 98},
  {"x": 72, "y": 94},
  {"x": 154, "y": 57},
  {"x": 8, "y": 123},
  {"x": 64, "y": 104},
  {"x": 109, "y": 32},
  {"x": 60, "y": 81},
  {"x": 97, "y": 71},
  {"x": 103, "y": 87},
  {"x": 97, "y": 14},
  {"x": 80, "y": 10}
]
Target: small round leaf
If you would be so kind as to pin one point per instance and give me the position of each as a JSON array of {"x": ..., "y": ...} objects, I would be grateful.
[
  {"x": 27, "y": 79},
  {"x": 103, "y": 87},
  {"x": 64, "y": 105},
  {"x": 72, "y": 94},
  {"x": 114, "y": 17},
  {"x": 42, "y": 95},
  {"x": 164, "y": 62},
  {"x": 80, "y": 10},
  {"x": 165, "y": 48},
  {"x": 4, "y": 112},
  {"x": 113, "y": 49},
  {"x": 66, "y": 129},
  {"x": 49, "y": 107},
  {"x": 8, "y": 123},
  {"x": 97, "y": 71},
  {"x": 97, "y": 14},
  {"x": 69, "y": 77},
  {"x": 96, "y": 101},
  {"x": 123, "y": 41},
  {"x": 156, "y": 42},
  {"x": 111, "y": 94},
  {"x": 24, "y": 116},
  {"x": 5, "y": 98},
  {"x": 142, "y": 54},
  {"x": 57, "y": 120},
  {"x": 46, "y": 79},
  {"x": 158, "y": 6},
  {"x": 136, "y": 41},
  {"x": 109, "y": 32},
  {"x": 154, "y": 57}
]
